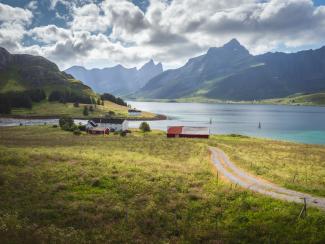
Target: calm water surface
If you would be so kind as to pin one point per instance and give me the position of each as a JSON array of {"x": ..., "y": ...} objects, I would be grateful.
[{"x": 291, "y": 123}]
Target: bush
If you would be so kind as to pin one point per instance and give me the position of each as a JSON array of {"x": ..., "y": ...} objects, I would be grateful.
[
  {"x": 55, "y": 126},
  {"x": 76, "y": 105},
  {"x": 85, "y": 111},
  {"x": 144, "y": 127},
  {"x": 77, "y": 132},
  {"x": 67, "y": 123},
  {"x": 91, "y": 109},
  {"x": 5, "y": 107},
  {"x": 82, "y": 127},
  {"x": 110, "y": 114},
  {"x": 123, "y": 133}
]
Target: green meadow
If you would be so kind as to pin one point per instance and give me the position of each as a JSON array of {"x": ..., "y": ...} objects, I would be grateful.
[
  {"x": 56, "y": 187},
  {"x": 56, "y": 109}
]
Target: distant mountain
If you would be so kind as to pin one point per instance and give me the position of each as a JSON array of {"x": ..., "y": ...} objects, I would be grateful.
[
  {"x": 22, "y": 72},
  {"x": 117, "y": 80},
  {"x": 230, "y": 72}
]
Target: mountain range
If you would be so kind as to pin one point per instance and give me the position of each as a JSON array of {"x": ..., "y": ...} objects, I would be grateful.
[
  {"x": 22, "y": 72},
  {"x": 230, "y": 72},
  {"x": 117, "y": 80}
]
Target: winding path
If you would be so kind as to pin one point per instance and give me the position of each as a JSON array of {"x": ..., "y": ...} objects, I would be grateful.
[{"x": 245, "y": 180}]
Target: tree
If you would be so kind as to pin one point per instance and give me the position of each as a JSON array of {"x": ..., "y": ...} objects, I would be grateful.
[
  {"x": 91, "y": 109},
  {"x": 111, "y": 113},
  {"x": 103, "y": 103},
  {"x": 144, "y": 127},
  {"x": 5, "y": 107},
  {"x": 111, "y": 98},
  {"x": 98, "y": 101},
  {"x": 66, "y": 123},
  {"x": 85, "y": 111},
  {"x": 55, "y": 96}
]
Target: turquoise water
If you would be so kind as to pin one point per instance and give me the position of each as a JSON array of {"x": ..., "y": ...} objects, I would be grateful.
[{"x": 291, "y": 123}]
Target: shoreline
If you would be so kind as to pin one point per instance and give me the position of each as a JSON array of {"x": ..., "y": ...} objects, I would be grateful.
[
  {"x": 157, "y": 117},
  {"x": 227, "y": 102}
]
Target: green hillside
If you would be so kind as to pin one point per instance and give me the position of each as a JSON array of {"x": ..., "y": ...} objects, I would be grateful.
[{"x": 300, "y": 99}]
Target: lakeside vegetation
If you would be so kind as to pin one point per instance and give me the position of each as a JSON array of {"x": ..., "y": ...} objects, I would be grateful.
[
  {"x": 56, "y": 109},
  {"x": 62, "y": 188},
  {"x": 314, "y": 99}
]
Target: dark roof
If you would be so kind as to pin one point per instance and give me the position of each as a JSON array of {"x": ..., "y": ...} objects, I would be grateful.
[{"x": 108, "y": 120}]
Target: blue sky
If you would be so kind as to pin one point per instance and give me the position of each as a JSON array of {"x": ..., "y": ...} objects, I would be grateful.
[{"x": 100, "y": 33}]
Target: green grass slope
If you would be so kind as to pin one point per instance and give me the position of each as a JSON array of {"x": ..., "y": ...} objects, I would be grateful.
[
  {"x": 21, "y": 72},
  {"x": 47, "y": 109},
  {"x": 144, "y": 188},
  {"x": 317, "y": 99}
]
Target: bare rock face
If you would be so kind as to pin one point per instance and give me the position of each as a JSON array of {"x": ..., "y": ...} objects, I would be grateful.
[
  {"x": 230, "y": 72},
  {"x": 117, "y": 80}
]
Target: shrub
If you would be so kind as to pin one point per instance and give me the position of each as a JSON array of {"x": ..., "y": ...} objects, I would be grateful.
[
  {"x": 91, "y": 109},
  {"x": 110, "y": 114},
  {"x": 123, "y": 133},
  {"x": 144, "y": 127},
  {"x": 82, "y": 127},
  {"x": 77, "y": 132},
  {"x": 5, "y": 107},
  {"x": 55, "y": 126},
  {"x": 85, "y": 111},
  {"x": 76, "y": 105},
  {"x": 66, "y": 120},
  {"x": 67, "y": 123}
]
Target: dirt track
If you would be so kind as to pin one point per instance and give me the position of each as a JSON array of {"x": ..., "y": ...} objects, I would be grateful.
[{"x": 244, "y": 179}]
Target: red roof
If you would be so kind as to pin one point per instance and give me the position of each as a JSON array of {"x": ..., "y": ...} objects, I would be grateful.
[{"x": 175, "y": 130}]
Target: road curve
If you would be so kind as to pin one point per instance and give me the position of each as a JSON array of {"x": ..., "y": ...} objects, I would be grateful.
[{"x": 245, "y": 180}]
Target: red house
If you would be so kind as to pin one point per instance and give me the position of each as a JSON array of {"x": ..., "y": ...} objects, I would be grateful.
[{"x": 188, "y": 132}]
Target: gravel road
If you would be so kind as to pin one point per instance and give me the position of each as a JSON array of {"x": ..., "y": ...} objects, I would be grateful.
[{"x": 248, "y": 181}]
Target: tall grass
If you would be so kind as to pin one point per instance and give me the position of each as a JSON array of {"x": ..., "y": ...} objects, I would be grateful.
[{"x": 60, "y": 188}]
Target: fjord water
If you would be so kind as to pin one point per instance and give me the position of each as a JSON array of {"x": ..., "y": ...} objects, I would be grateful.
[{"x": 303, "y": 124}]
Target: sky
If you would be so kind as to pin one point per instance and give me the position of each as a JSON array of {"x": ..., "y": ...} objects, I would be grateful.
[{"x": 103, "y": 33}]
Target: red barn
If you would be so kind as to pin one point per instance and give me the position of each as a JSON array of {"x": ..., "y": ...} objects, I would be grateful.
[{"x": 188, "y": 132}]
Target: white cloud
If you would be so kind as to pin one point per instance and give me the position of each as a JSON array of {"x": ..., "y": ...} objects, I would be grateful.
[
  {"x": 13, "y": 22},
  {"x": 50, "y": 34},
  {"x": 170, "y": 32}
]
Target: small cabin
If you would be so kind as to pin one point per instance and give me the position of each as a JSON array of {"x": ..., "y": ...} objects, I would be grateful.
[
  {"x": 134, "y": 112},
  {"x": 107, "y": 123},
  {"x": 188, "y": 132}
]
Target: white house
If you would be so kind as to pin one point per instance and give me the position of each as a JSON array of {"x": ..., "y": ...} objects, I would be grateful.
[
  {"x": 134, "y": 112},
  {"x": 111, "y": 124}
]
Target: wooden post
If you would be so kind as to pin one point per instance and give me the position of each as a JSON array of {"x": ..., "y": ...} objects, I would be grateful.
[{"x": 303, "y": 211}]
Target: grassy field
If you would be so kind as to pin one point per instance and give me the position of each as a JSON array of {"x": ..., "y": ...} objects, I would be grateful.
[
  {"x": 316, "y": 99},
  {"x": 56, "y": 187},
  {"x": 56, "y": 109}
]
